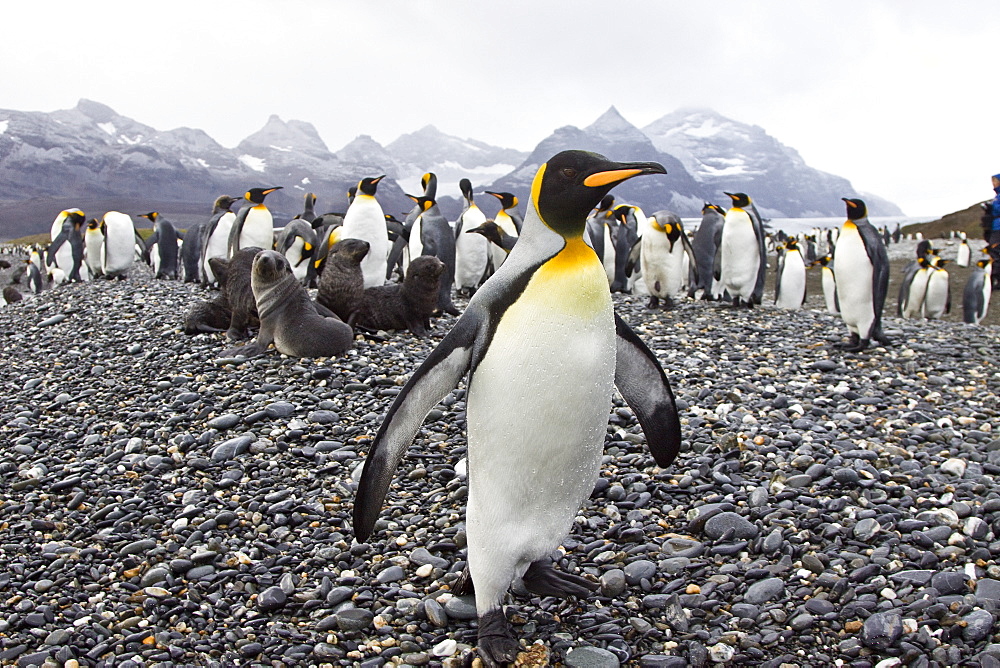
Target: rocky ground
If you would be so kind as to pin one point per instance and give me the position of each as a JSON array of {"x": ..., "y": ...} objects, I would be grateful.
[{"x": 162, "y": 507}]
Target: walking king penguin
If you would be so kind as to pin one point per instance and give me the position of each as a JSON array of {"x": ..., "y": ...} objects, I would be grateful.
[
  {"x": 705, "y": 246},
  {"x": 543, "y": 349},
  {"x": 365, "y": 220},
  {"x": 119, "y": 241},
  {"x": 829, "y": 282},
  {"x": 472, "y": 251},
  {"x": 743, "y": 257},
  {"x": 862, "y": 277},
  {"x": 253, "y": 225},
  {"x": 964, "y": 252},
  {"x": 978, "y": 289}
]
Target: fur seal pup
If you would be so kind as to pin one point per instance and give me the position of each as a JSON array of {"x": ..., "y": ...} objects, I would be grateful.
[
  {"x": 235, "y": 296},
  {"x": 288, "y": 317},
  {"x": 342, "y": 283},
  {"x": 406, "y": 305}
]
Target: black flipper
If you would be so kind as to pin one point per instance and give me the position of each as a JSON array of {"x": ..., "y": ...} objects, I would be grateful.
[
  {"x": 646, "y": 390},
  {"x": 544, "y": 580}
]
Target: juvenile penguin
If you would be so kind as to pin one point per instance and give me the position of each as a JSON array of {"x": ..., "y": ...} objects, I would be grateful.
[
  {"x": 119, "y": 240},
  {"x": 297, "y": 243},
  {"x": 365, "y": 220},
  {"x": 977, "y": 293},
  {"x": 666, "y": 258},
  {"x": 705, "y": 245},
  {"x": 937, "y": 300},
  {"x": 829, "y": 282},
  {"x": 164, "y": 242},
  {"x": 543, "y": 349},
  {"x": 743, "y": 258},
  {"x": 507, "y": 219},
  {"x": 472, "y": 251},
  {"x": 862, "y": 277},
  {"x": 288, "y": 317},
  {"x": 253, "y": 225},
  {"x": 215, "y": 241},
  {"x": 790, "y": 281},
  {"x": 93, "y": 244}
]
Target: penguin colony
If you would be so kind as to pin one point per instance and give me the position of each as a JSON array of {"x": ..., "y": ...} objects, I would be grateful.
[{"x": 539, "y": 343}]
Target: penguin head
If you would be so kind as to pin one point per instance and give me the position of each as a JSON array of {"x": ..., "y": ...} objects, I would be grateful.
[
  {"x": 75, "y": 218},
  {"x": 740, "y": 200},
  {"x": 310, "y": 199},
  {"x": 488, "y": 229},
  {"x": 225, "y": 202},
  {"x": 940, "y": 262},
  {"x": 571, "y": 183},
  {"x": 620, "y": 213},
  {"x": 856, "y": 209},
  {"x": 709, "y": 207},
  {"x": 792, "y": 244},
  {"x": 465, "y": 185},
  {"x": 152, "y": 215},
  {"x": 426, "y": 179},
  {"x": 257, "y": 195},
  {"x": 368, "y": 185},
  {"x": 93, "y": 224},
  {"x": 507, "y": 200},
  {"x": 607, "y": 202},
  {"x": 423, "y": 202},
  {"x": 822, "y": 261}
]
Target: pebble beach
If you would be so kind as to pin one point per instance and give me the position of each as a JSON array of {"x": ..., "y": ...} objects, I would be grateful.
[{"x": 160, "y": 506}]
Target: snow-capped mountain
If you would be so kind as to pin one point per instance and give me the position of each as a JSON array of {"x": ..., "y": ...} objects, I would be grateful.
[
  {"x": 616, "y": 138},
  {"x": 452, "y": 159},
  {"x": 94, "y": 156},
  {"x": 726, "y": 155}
]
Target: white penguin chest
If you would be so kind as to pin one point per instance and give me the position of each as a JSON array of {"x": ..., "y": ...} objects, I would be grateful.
[{"x": 258, "y": 228}]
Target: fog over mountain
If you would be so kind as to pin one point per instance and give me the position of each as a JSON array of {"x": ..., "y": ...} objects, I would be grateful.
[{"x": 91, "y": 154}]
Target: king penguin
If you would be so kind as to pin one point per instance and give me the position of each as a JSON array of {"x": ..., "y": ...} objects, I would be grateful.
[
  {"x": 964, "y": 253},
  {"x": 705, "y": 246},
  {"x": 365, "y": 220},
  {"x": 544, "y": 350},
  {"x": 298, "y": 243},
  {"x": 790, "y": 281},
  {"x": 743, "y": 257},
  {"x": 472, "y": 251},
  {"x": 508, "y": 220},
  {"x": 165, "y": 240},
  {"x": 93, "y": 243},
  {"x": 215, "y": 236},
  {"x": 862, "y": 277},
  {"x": 829, "y": 282},
  {"x": 937, "y": 301},
  {"x": 66, "y": 251},
  {"x": 253, "y": 225},
  {"x": 977, "y": 293},
  {"x": 666, "y": 258},
  {"x": 913, "y": 285},
  {"x": 600, "y": 224},
  {"x": 119, "y": 242}
]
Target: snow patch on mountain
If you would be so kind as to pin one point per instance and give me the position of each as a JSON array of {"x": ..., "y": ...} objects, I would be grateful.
[
  {"x": 256, "y": 164},
  {"x": 109, "y": 128}
]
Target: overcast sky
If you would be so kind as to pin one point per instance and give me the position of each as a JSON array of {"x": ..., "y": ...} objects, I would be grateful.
[{"x": 900, "y": 97}]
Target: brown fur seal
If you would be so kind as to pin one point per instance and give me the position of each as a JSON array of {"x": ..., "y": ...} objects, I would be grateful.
[
  {"x": 406, "y": 305},
  {"x": 235, "y": 309},
  {"x": 342, "y": 283},
  {"x": 288, "y": 317}
]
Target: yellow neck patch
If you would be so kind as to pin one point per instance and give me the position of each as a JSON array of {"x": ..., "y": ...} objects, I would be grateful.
[
  {"x": 536, "y": 188},
  {"x": 575, "y": 255}
]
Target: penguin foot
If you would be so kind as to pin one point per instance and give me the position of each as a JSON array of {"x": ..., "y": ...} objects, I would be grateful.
[
  {"x": 544, "y": 580},
  {"x": 497, "y": 644},
  {"x": 858, "y": 347},
  {"x": 451, "y": 309},
  {"x": 464, "y": 586},
  {"x": 850, "y": 343},
  {"x": 654, "y": 303}
]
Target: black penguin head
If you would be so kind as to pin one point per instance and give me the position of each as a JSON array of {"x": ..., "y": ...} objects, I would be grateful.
[
  {"x": 741, "y": 200},
  {"x": 465, "y": 185},
  {"x": 490, "y": 230},
  {"x": 856, "y": 209},
  {"x": 368, "y": 185},
  {"x": 310, "y": 199},
  {"x": 571, "y": 183},
  {"x": 93, "y": 224},
  {"x": 507, "y": 200},
  {"x": 257, "y": 195},
  {"x": 792, "y": 244},
  {"x": 75, "y": 218},
  {"x": 423, "y": 202},
  {"x": 607, "y": 202},
  {"x": 152, "y": 215},
  {"x": 823, "y": 261}
]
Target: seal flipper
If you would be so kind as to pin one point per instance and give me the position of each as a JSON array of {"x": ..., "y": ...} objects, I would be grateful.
[
  {"x": 432, "y": 380},
  {"x": 544, "y": 580},
  {"x": 646, "y": 390}
]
